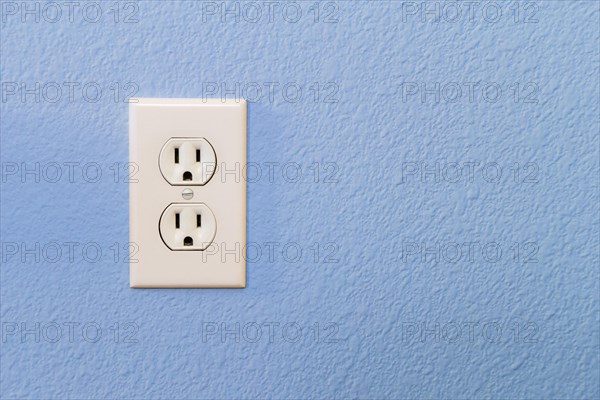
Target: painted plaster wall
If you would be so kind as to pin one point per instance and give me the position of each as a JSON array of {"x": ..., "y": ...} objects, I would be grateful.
[{"x": 379, "y": 232}]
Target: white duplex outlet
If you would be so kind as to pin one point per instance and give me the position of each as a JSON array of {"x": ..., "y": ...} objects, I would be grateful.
[{"x": 187, "y": 220}]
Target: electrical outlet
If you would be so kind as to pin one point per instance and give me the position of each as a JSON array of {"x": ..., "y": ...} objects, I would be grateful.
[
  {"x": 187, "y": 226},
  {"x": 187, "y": 161},
  {"x": 187, "y": 209}
]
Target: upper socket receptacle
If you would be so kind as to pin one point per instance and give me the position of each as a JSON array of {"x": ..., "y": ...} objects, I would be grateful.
[{"x": 187, "y": 161}]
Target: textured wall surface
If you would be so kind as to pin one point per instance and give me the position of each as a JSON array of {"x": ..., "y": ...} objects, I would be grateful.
[{"x": 449, "y": 239}]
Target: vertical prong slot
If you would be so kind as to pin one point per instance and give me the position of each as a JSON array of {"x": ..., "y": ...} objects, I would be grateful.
[
  {"x": 176, "y": 155},
  {"x": 177, "y": 221},
  {"x": 199, "y": 220},
  {"x": 197, "y": 155}
]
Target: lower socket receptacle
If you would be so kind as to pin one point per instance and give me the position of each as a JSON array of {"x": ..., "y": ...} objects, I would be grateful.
[{"x": 187, "y": 226}]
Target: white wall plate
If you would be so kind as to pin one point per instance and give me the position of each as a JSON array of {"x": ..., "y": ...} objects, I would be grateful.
[{"x": 187, "y": 210}]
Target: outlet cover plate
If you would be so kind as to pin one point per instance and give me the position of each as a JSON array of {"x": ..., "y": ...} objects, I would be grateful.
[{"x": 152, "y": 123}]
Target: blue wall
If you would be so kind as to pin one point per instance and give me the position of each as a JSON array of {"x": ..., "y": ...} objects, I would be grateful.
[{"x": 391, "y": 302}]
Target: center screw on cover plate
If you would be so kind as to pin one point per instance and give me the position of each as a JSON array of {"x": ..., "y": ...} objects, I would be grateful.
[{"x": 187, "y": 194}]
